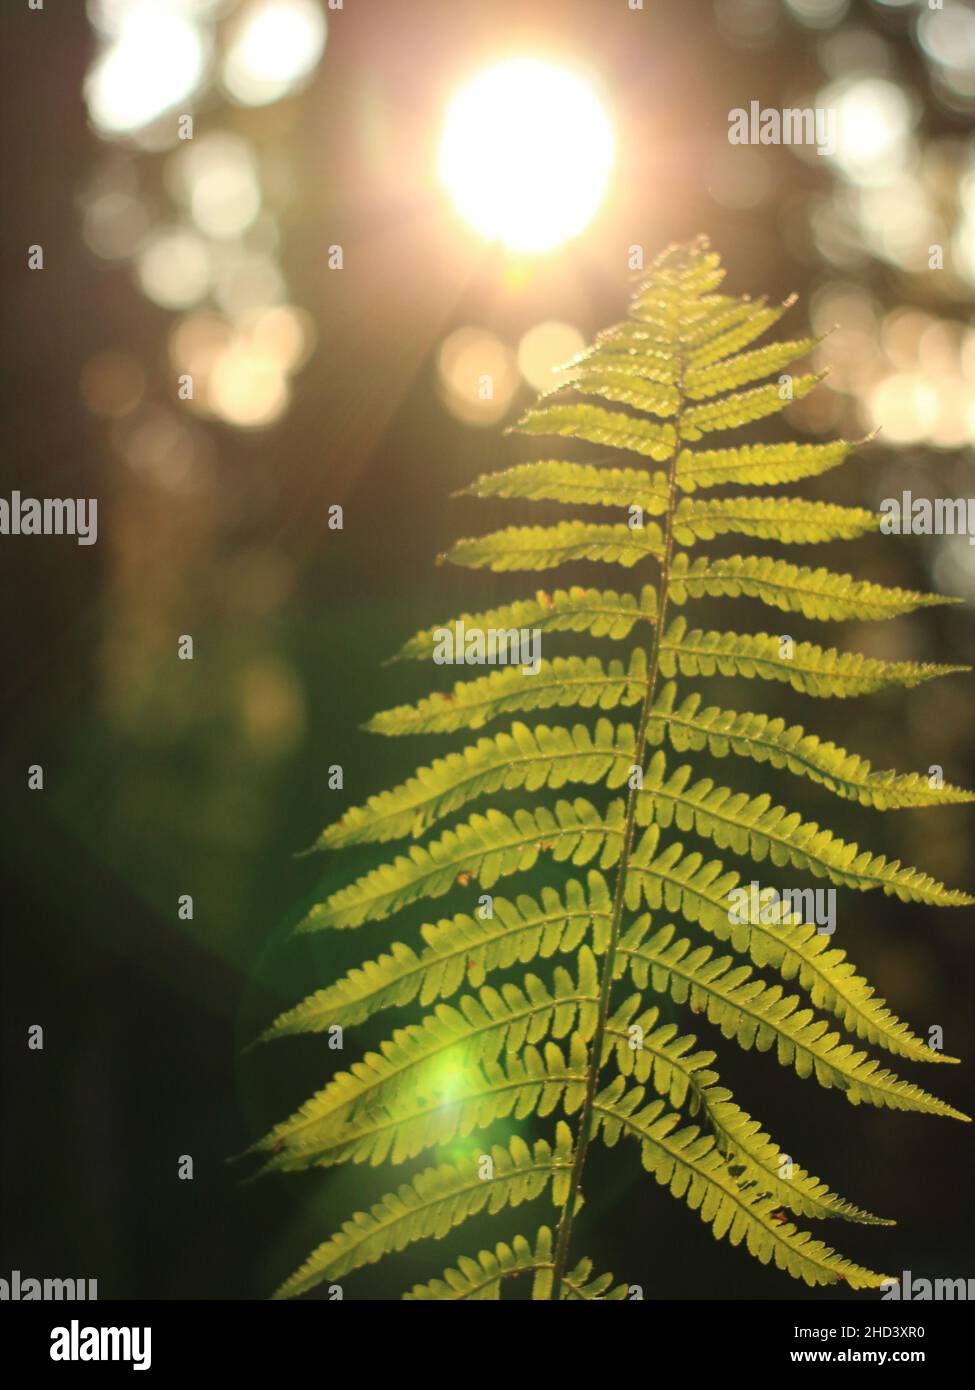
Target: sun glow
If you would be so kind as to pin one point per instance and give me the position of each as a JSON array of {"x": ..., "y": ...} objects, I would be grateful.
[{"x": 526, "y": 154}]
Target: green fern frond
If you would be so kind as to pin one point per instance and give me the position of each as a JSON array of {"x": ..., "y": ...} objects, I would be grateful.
[
  {"x": 702, "y": 382},
  {"x": 700, "y": 891},
  {"x": 600, "y": 613},
  {"x": 624, "y": 388},
  {"x": 525, "y": 757},
  {"x": 424, "y": 1059},
  {"x": 691, "y": 1165},
  {"x": 763, "y": 1016},
  {"x": 435, "y": 1202},
  {"x": 823, "y": 672},
  {"x": 581, "y": 484},
  {"x": 790, "y": 520},
  {"x": 459, "y": 950},
  {"x": 762, "y": 739},
  {"x": 710, "y": 342},
  {"x": 684, "y": 1078},
  {"x": 598, "y": 426},
  {"x": 727, "y": 375},
  {"x": 480, "y": 1279},
  {"x": 486, "y": 848},
  {"x": 757, "y": 465},
  {"x": 564, "y": 681},
  {"x": 815, "y": 593},
  {"x": 531, "y": 1082},
  {"x": 755, "y": 828},
  {"x": 495, "y": 1043},
  {"x": 814, "y": 670},
  {"x": 546, "y": 547}
]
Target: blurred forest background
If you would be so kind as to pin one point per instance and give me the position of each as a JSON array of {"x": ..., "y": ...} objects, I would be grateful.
[{"x": 315, "y": 386}]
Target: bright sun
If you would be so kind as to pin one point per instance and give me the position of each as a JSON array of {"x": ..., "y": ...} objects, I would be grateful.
[{"x": 526, "y": 154}]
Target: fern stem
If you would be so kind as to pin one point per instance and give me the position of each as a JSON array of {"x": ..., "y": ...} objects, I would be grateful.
[{"x": 584, "y": 1134}]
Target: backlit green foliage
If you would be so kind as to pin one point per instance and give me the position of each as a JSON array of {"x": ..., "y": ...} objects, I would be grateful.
[{"x": 533, "y": 1009}]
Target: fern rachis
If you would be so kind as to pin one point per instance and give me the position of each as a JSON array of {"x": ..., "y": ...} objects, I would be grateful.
[{"x": 496, "y": 1039}]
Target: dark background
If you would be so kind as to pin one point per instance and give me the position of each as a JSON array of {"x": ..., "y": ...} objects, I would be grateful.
[{"x": 164, "y": 777}]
